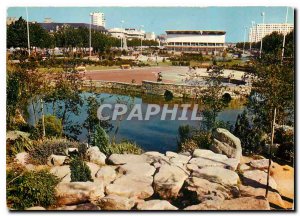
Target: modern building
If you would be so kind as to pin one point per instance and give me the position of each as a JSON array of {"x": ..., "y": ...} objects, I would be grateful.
[
  {"x": 195, "y": 41},
  {"x": 98, "y": 19},
  {"x": 150, "y": 36},
  {"x": 54, "y": 27},
  {"x": 129, "y": 33},
  {"x": 257, "y": 32}
]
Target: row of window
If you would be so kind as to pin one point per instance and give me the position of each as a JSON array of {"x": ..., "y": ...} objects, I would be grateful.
[{"x": 194, "y": 44}]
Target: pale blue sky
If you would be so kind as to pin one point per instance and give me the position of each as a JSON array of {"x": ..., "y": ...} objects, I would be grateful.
[{"x": 158, "y": 19}]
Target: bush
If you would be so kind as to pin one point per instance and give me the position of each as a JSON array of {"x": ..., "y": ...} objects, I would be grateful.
[
  {"x": 125, "y": 148},
  {"x": 188, "y": 145},
  {"x": 18, "y": 145},
  {"x": 53, "y": 126},
  {"x": 43, "y": 149},
  {"x": 80, "y": 172},
  {"x": 30, "y": 188},
  {"x": 100, "y": 139}
]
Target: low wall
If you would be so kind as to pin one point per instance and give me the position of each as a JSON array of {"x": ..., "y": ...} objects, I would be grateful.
[{"x": 178, "y": 90}]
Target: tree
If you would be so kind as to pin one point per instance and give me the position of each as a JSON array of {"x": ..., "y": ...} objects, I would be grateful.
[{"x": 101, "y": 139}]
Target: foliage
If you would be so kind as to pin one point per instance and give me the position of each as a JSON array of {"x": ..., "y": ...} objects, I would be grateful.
[
  {"x": 285, "y": 139},
  {"x": 43, "y": 149},
  {"x": 101, "y": 139},
  {"x": 82, "y": 149},
  {"x": 25, "y": 189},
  {"x": 18, "y": 145},
  {"x": 80, "y": 172},
  {"x": 189, "y": 145},
  {"x": 124, "y": 147},
  {"x": 53, "y": 126}
]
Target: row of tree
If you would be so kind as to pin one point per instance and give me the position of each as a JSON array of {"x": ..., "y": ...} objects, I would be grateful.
[{"x": 66, "y": 37}]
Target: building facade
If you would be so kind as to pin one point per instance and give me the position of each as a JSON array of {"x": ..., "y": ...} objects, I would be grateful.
[
  {"x": 257, "y": 32},
  {"x": 195, "y": 41},
  {"x": 129, "y": 33},
  {"x": 98, "y": 19},
  {"x": 150, "y": 36}
]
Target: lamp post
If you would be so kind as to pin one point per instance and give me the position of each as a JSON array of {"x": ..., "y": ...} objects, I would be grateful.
[
  {"x": 141, "y": 40},
  {"x": 28, "y": 39},
  {"x": 244, "y": 40},
  {"x": 262, "y": 35},
  {"x": 251, "y": 36},
  {"x": 284, "y": 34},
  {"x": 122, "y": 34},
  {"x": 90, "y": 48}
]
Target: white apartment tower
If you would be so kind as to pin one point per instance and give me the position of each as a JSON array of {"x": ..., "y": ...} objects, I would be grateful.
[
  {"x": 98, "y": 19},
  {"x": 257, "y": 32}
]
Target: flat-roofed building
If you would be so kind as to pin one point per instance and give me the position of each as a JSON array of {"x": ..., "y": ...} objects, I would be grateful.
[{"x": 195, "y": 41}]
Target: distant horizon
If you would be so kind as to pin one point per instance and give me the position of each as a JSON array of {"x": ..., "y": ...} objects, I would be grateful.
[{"x": 161, "y": 19}]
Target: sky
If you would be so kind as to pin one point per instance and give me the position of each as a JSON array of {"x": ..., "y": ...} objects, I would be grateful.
[{"x": 233, "y": 20}]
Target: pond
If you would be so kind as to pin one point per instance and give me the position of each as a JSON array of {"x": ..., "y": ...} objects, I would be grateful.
[{"x": 153, "y": 134}]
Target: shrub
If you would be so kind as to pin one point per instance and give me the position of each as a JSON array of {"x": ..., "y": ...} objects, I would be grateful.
[
  {"x": 30, "y": 188},
  {"x": 80, "y": 172},
  {"x": 18, "y": 145},
  {"x": 82, "y": 148},
  {"x": 53, "y": 126},
  {"x": 100, "y": 139},
  {"x": 124, "y": 148},
  {"x": 43, "y": 149},
  {"x": 188, "y": 145}
]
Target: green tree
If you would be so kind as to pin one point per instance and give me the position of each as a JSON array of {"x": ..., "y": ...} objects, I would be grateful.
[
  {"x": 80, "y": 172},
  {"x": 101, "y": 139}
]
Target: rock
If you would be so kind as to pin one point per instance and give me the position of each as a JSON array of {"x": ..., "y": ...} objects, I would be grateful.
[
  {"x": 258, "y": 178},
  {"x": 56, "y": 160},
  {"x": 71, "y": 151},
  {"x": 80, "y": 207},
  {"x": 168, "y": 181},
  {"x": 78, "y": 192},
  {"x": 13, "y": 135},
  {"x": 95, "y": 155},
  {"x": 183, "y": 159},
  {"x": 229, "y": 163},
  {"x": 94, "y": 168},
  {"x": 156, "y": 205},
  {"x": 204, "y": 153},
  {"x": 244, "y": 167},
  {"x": 218, "y": 175},
  {"x": 107, "y": 174},
  {"x": 115, "y": 202},
  {"x": 207, "y": 190},
  {"x": 35, "y": 208},
  {"x": 154, "y": 154},
  {"x": 22, "y": 158},
  {"x": 260, "y": 164},
  {"x": 171, "y": 154},
  {"x": 62, "y": 172},
  {"x": 226, "y": 143},
  {"x": 244, "y": 203},
  {"x": 131, "y": 186},
  {"x": 119, "y": 159},
  {"x": 144, "y": 169},
  {"x": 273, "y": 197}
]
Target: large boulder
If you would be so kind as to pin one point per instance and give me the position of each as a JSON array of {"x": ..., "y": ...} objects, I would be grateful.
[
  {"x": 115, "y": 202},
  {"x": 79, "y": 207},
  {"x": 35, "y": 208},
  {"x": 205, "y": 153},
  {"x": 144, "y": 169},
  {"x": 218, "y": 175},
  {"x": 258, "y": 178},
  {"x": 62, "y": 172},
  {"x": 156, "y": 205},
  {"x": 244, "y": 203},
  {"x": 106, "y": 174},
  {"x": 131, "y": 186},
  {"x": 56, "y": 160},
  {"x": 73, "y": 193},
  {"x": 94, "y": 168},
  {"x": 95, "y": 155},
  {"x": 273, "y": 197},
  {"x": 260, "y": 164},
  {"x": 226, "y": 143},
  {"x": 22, "y": 158},
  {"x": 207, "y": 190},
  {"x": 168, "y": 181},
  {"x": 119, "y": 159}
]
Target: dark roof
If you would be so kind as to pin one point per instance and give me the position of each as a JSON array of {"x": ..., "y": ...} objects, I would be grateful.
[
  {"x": 198, "y": 32},
  {"x": 53, "y": 26}
]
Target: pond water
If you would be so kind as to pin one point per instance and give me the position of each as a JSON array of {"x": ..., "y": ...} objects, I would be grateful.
[{"x": 153, "y": 134}]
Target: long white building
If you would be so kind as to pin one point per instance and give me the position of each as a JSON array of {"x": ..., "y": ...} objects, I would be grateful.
[
  {"x": 98, "y": 19},
  {"x": 257, "y": 32},
  {"x": 129, "y": 33},
  {"x": 195, "y": 41}
]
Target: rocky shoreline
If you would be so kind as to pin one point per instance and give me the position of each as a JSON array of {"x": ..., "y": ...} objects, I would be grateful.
[{"x": 215, "y": 179}]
